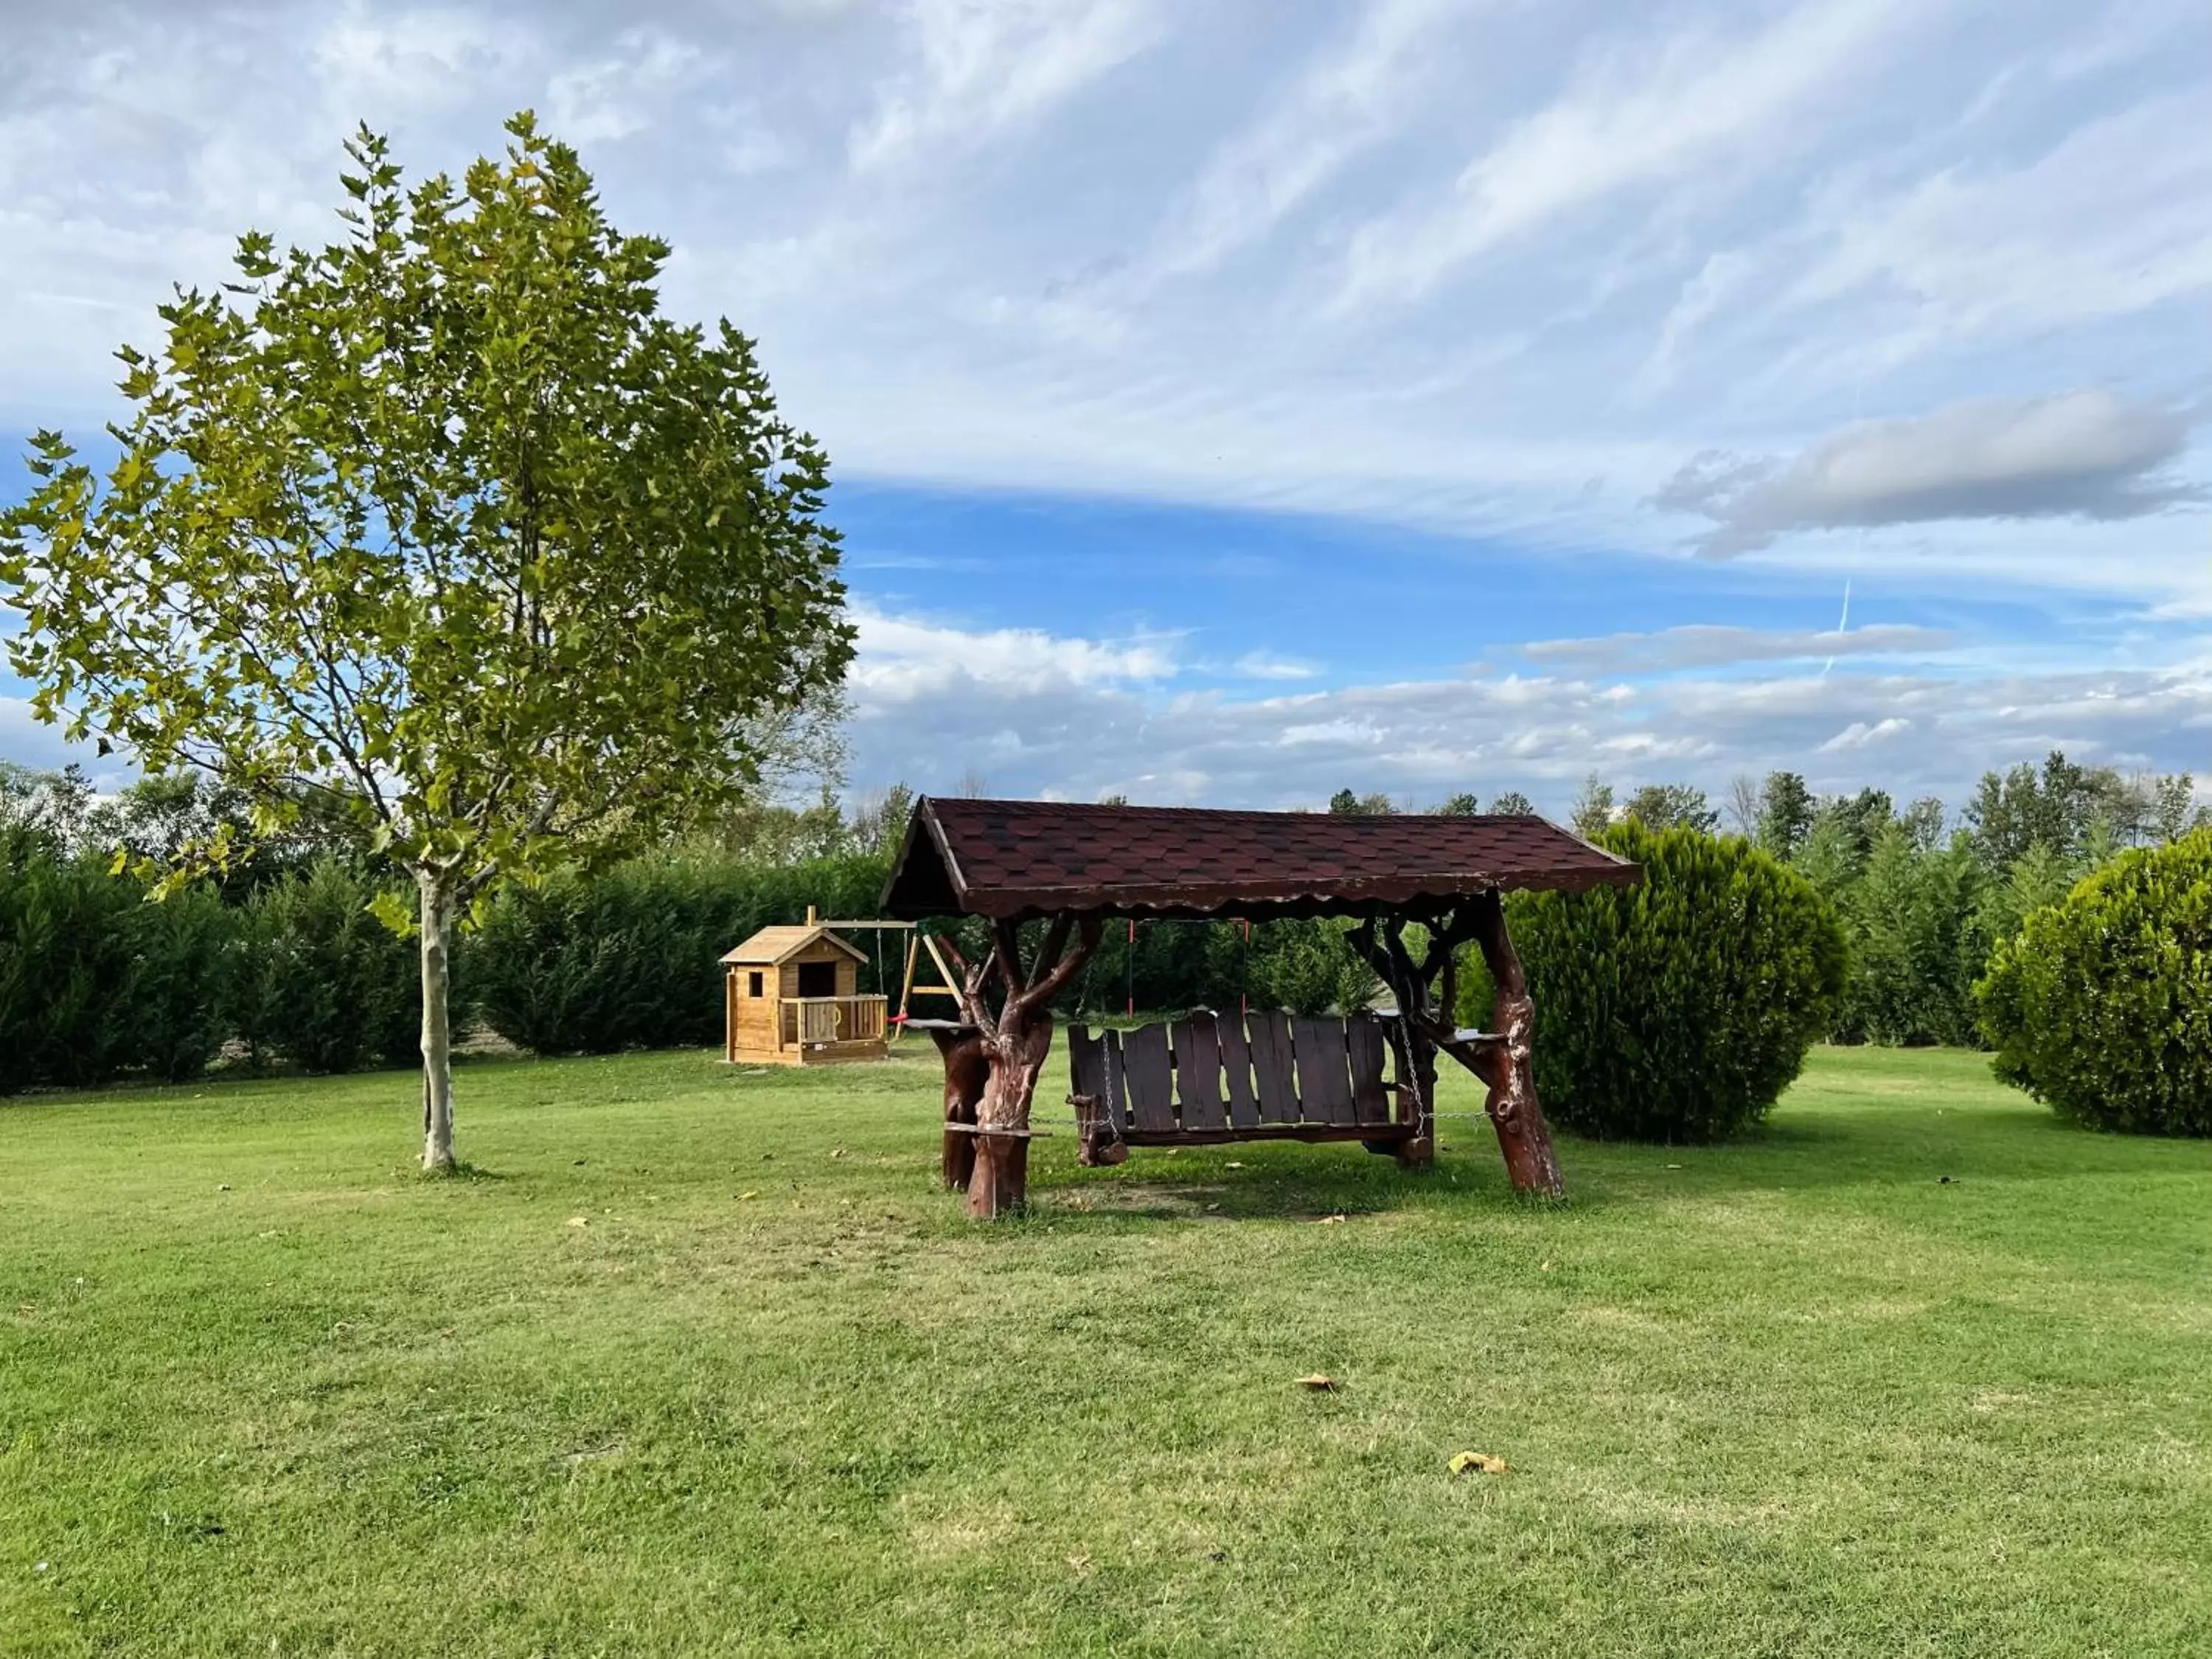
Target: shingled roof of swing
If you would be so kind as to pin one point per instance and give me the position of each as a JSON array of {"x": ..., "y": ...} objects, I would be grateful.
[{"x": 1014, "y": 859}]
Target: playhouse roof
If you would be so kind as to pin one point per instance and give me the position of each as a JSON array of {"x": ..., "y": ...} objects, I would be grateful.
[
  {"x": 772, "y": 946},
  {"x": 1011, "y": 858}
]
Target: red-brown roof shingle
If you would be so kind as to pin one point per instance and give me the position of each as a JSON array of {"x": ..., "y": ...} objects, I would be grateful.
[{"x": 1021, "y": 858}]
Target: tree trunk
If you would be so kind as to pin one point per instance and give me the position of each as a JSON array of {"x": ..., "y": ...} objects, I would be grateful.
[
  {"x": 967, "y": 1070},
  {"x": 1012, "y": 1043},
  {"x": 1000, "y": 1182},
  {"x": 437, "y": 926},
  {"x": 1524, "y": 1136}
]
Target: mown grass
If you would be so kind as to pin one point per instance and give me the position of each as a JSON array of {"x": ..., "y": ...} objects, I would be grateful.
[{"x": 700, "y": 1362}]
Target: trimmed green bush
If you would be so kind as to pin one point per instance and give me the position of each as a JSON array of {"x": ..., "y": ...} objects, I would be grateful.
[
  {"x": 629, "y": 959},
  {"x": 1678, "y": 1010},
  {"x": 326, "y": 985},
  {"x": 2101, "y": 1005}
]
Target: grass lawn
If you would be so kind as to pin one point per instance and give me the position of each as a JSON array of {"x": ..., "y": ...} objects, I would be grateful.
[{"x": 702, "y": 1363}]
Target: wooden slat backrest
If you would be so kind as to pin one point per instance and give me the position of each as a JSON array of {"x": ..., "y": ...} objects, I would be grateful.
[
  {"x": 1271, "y": 1068},
  {"x": 1324, "y": 1072},
  {"x": 1236, "y": 1066},
  {"x": 1152, "y": 1080},
  {"x": 1198, "y": 1072},
  {"x": 1370, "y": 1100},
  {"x": 1117, "y": 1082},
  {"x": 1086, "y": 1064}
]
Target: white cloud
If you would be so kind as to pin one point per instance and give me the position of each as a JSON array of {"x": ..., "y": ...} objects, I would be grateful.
[
  {"x": 1705, "y": 645},
  {"x": 1031, "y": 723},
  {"x": 1655, "y": 113},
  {"x": 620, "y": 93},
  {"x": 2087, "y": 454},
  {"x": 1353, "y": 96},
  {"x": 1266, "y": 666},
  {"x": 987, "y": 65},
  {"x": 903, "y": 659},
  {"x": 1859, "y": 734}
]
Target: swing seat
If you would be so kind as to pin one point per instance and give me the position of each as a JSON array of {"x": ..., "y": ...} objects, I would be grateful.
[{"x": 1205, "y": 1080}]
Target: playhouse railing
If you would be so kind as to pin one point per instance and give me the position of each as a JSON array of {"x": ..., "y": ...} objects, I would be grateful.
[{"x": 806, "y": 1020}]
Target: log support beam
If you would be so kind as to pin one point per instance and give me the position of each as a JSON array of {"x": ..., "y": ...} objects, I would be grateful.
[
  {"x": 1005, "y": 1006},
  {"x": 1426, "y": 993}
]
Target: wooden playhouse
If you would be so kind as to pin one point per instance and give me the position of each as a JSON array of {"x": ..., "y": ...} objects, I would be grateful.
[{"x": 791, "y": 997}]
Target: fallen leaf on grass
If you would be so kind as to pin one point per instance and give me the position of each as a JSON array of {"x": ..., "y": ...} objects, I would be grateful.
[
  {"x": 839, "y": 1153},
  {"x": 1477, "y": 1463},
  {"x": 1233, "y": 1164},
  {"x": 1319, "y": 1383},
  {"x": 1330, "y": 1220},
  {"x": 579, "y": 1221}
]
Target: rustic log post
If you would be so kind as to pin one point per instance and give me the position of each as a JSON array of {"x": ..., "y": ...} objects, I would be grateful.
[
  {"x": 1522, "y": 1135},
  {"x": 965, "y": 1071},
  {"x": 1015, "y": 1041}
]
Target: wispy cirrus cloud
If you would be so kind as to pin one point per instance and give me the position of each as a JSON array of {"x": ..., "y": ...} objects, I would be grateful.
[
  {"x": 1650, "y": 115},
  {"x": 1705, "y": 645}
]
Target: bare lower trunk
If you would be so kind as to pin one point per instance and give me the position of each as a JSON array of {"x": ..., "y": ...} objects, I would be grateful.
[
  {"x": 437, "y": 920},
  {"x": 1011, "y": 1044},
  {"x": 1000, "y": 1183}
]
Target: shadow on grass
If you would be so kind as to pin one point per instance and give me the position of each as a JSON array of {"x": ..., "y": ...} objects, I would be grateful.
[
  {"x": 1795, "y": 1153},
  {"x": 461, "y": 1171}
]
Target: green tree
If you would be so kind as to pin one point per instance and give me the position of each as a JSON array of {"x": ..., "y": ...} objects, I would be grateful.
[
  {"x": 1592, "y": 811},
  {"x": 1512, "y": 804},
  {"x": 1345, "y": 804},
  {"x": 1671, "y": 807},
  {"x": 443, "y": 524},
  {"x": 1785, "y": 813},
  {"x": 1460, "y": 805}
]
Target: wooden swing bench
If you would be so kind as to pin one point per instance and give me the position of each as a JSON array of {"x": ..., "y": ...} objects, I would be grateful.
[
  {"x": 1205, "y": 1079},
  {"x": 1419, "y": 887}
]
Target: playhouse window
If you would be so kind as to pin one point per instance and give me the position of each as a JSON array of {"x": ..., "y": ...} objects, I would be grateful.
[{"x": 753, "y": 985}]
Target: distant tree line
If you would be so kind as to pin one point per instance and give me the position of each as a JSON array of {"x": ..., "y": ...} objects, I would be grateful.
[
  {"x": 280, "y": 961},
  {"x": 1925, "y": 896}
]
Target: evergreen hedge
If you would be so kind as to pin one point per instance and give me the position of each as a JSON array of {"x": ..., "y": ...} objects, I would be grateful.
[
  {"x": 628, "y": 958},
  {"x": 2101, "y": 1005},
  {"x": 96, "y": 982},
  {"x": 1678, "y": 1010},
  {"x": 324, "y": 984}
]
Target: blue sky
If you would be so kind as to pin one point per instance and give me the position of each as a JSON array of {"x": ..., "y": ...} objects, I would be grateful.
[{"x": 1234, "y": 402}]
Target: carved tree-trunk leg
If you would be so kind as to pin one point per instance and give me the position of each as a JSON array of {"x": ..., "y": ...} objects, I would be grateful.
[
  {"x": 1522, "y": 1135},
  {"x": 1000, "y": 1182},
  {"x": 1014, "y": 1044},
  {"x": 966, "y": 1071}
]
